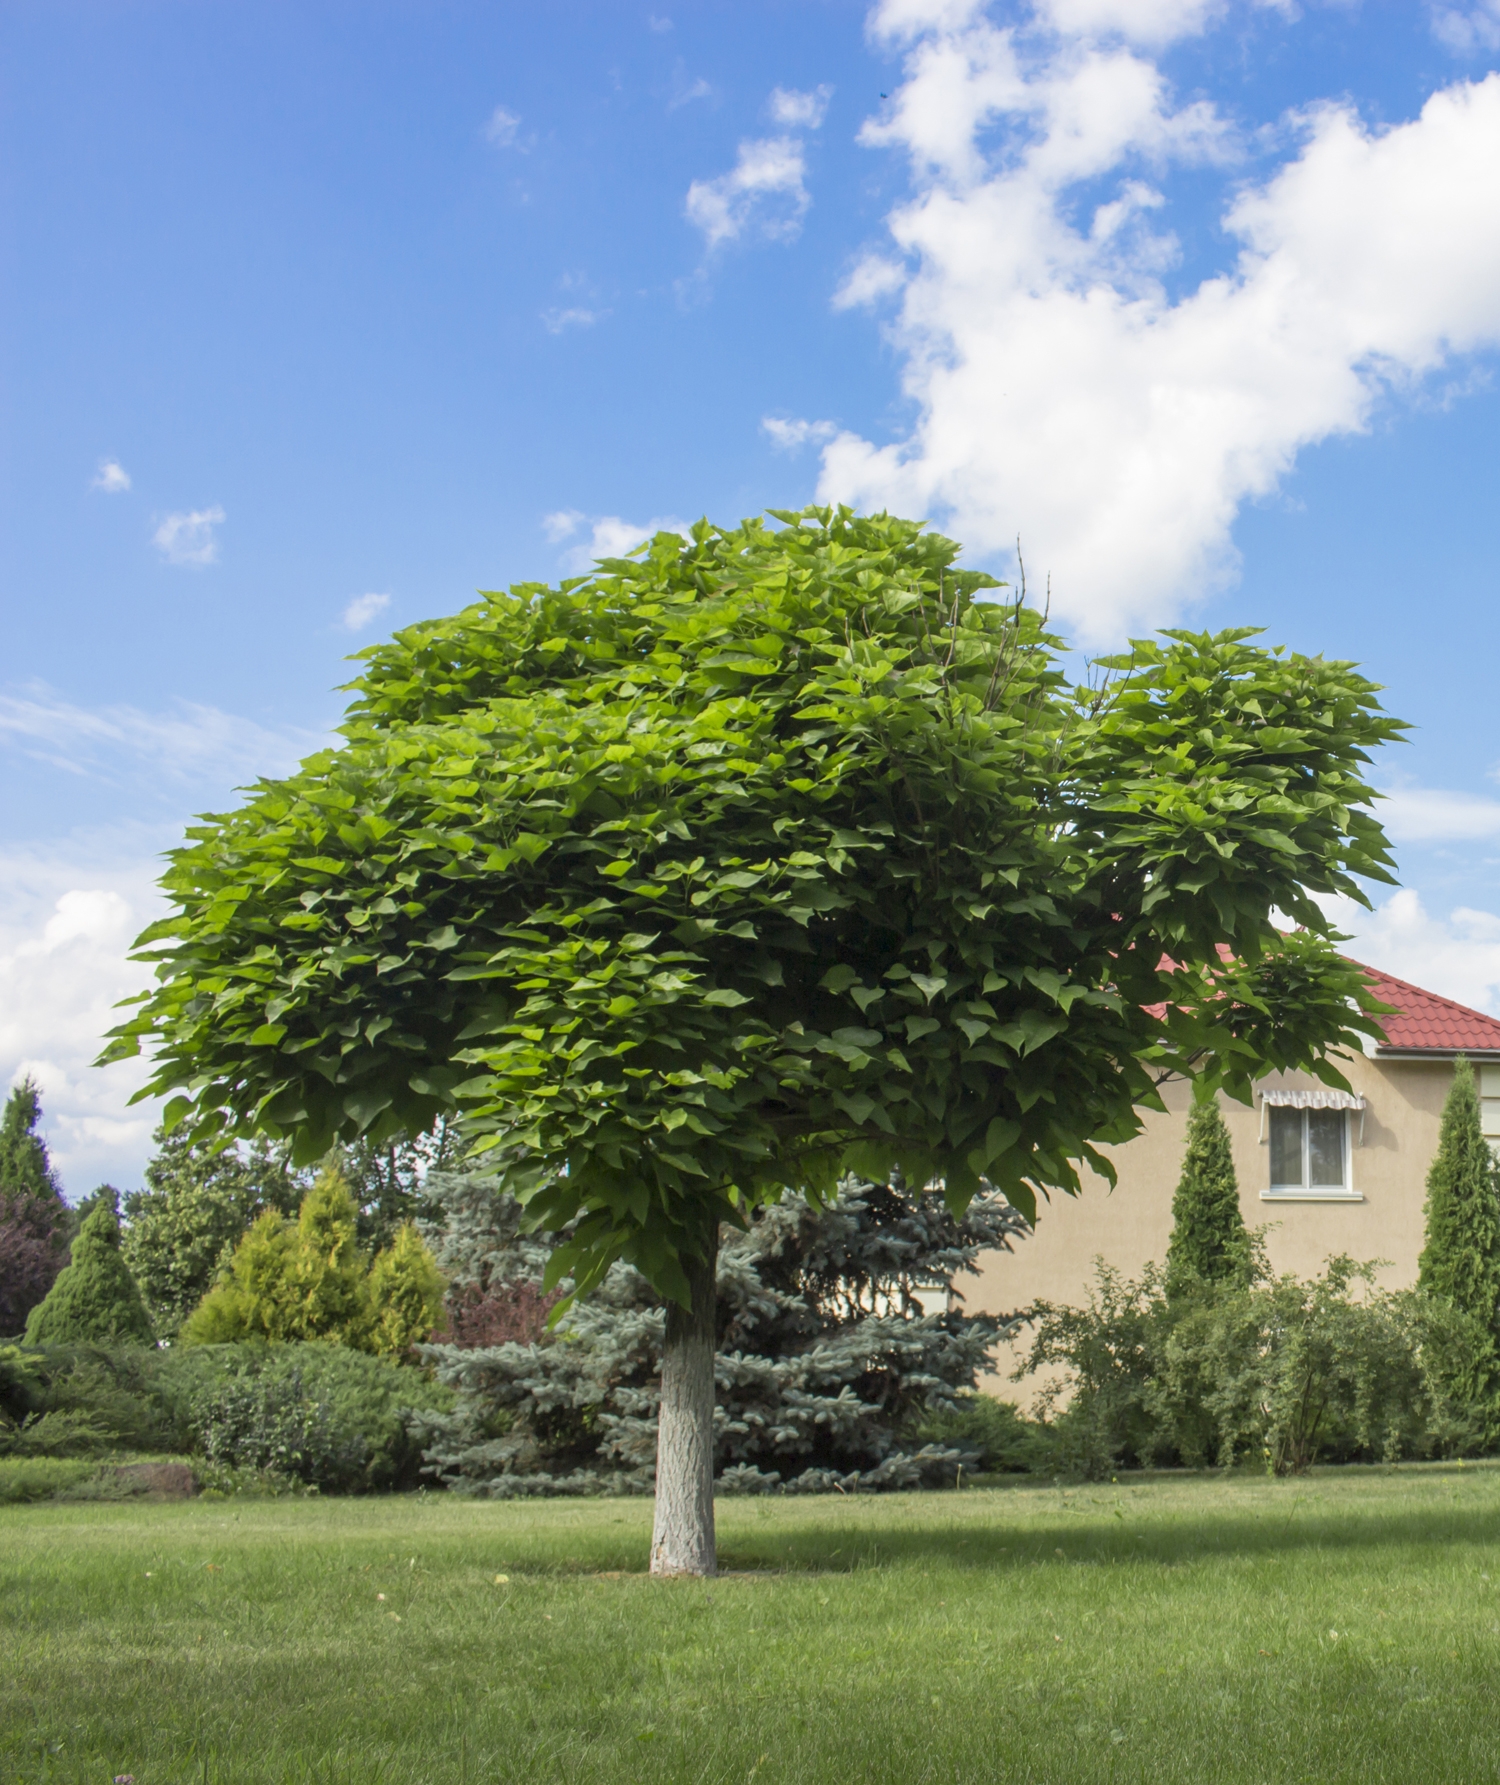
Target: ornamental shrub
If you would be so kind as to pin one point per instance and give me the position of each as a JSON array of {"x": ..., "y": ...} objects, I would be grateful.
[
  {"x": 1460, "y": 1262},
  {"x": 94, "y": 1298},
  {"x": 324, "y": 1414},
  {"x": 1283, "y": 1371},
  {"x": 1209, "y": 1237}
]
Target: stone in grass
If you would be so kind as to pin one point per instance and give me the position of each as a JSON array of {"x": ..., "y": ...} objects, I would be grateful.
[{"x": 94, "y": 1300}]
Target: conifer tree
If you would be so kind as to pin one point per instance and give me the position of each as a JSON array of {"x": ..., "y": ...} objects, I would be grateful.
[
  {"x": 1461, "y": 1260},
  {"x": 1209, "y": 1238},
  {"x": 837, "y": 1335},
  {"x": 94, "y": 1300},
  {"x": 25, "y": 1167},
  {"x": 406, "y": 1294}
]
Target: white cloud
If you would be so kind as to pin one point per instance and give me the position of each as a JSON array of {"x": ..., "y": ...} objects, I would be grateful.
[
  {"x": 192, "y": 745},
  {"x": 873, "y": 276},
  {"x": 557, "y": 322},
  {"x": 764, "y": 189},
  {"x": 795, "y": 110},
  {"x": 1457, "y": 957},
  {"x": 68, "y": 915},
  {"x": 609, "y": 536},
  {"x": 1437, "y": 815},
  {"x": 502, "y": 127},
  {"x": 655, "y": 22},
  {"x": 788, "y": 435},
  {"x": 685, "y": 91},
  {"x": 1061, "y": 392},
  {"x": 69, "y": 911},
  {"x": 362, "y": 609},
  {"x": 189, "y": 538},
  {"x": 562, "y": 524},
  {"x": 1468, "y": 30},
  {"x": 111, "y": 477}
]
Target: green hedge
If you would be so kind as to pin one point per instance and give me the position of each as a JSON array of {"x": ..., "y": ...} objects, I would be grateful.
[{"x": 40, "y": 1478}]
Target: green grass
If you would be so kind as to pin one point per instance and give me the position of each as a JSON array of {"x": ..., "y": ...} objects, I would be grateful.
[{"x": 1346, "y": 1626}]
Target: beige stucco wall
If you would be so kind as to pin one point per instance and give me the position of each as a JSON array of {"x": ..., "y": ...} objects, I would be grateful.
[{"x": 1130, "y": 1225}]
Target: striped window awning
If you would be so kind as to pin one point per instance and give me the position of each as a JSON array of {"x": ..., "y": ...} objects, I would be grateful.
[
  {"x": 1322, "y": 1098},
  {"x": 1319, "y": 1099}
]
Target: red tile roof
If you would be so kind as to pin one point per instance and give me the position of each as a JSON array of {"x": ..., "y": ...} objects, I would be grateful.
[{"x": 1426, "y": 1023}]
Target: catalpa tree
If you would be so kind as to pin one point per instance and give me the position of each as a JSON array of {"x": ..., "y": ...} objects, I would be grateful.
[{"x": 756, "y": 858}]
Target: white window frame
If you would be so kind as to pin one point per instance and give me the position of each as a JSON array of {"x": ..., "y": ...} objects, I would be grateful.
[{"x": 1305, "y": 1192}]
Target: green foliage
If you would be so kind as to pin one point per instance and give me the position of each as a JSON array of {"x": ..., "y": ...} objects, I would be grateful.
[
  {"x": 405, "y": 1293},
  {"x": 39, "y": 1478},
  {"x": 323, "y": 1414},
  {"x": 312, "y": 1280},
  {"x": 1285, "y": 1371},
  {"x": 182, "y": 1228},
  {"x": 757, "y": 859},
  {"x": 386, "y": 1181},
  {"x": 82, "y": 1400},
  {"x": 24, "y": 1164},
  {"x": 1460, "y": 1261},
  {"x": 1001, "y": 1440},
  {"x": 828, "y": 1369},
  {"x": 94, "y": 1298},
  {"x": 1209, "y": 1241}
]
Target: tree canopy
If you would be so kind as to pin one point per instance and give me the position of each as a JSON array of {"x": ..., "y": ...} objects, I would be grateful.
[{"x": 763, "y": 856}]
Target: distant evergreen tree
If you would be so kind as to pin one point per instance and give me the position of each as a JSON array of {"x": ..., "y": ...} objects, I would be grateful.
[
  {"x": 827, "y": 1359},
  {"x": 1210, "y": 1241},
  {"x": 95, "y": 1299},
  {"x": 1460, "y": 1261},
  {"x": 25, "y": 1168},
  {"x": 183, "y": 1227}
]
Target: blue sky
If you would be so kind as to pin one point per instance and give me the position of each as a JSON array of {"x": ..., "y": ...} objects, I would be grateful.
[{"x": 315, "y": 318}]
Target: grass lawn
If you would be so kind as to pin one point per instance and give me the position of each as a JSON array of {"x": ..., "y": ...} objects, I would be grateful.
[{"x": 1345, "y": 1626}]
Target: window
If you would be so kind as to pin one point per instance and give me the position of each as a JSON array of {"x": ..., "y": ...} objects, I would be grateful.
[{"x": 1309, "y": 1151}]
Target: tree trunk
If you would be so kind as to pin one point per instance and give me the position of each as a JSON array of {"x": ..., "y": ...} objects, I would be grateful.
[{"x": 683, "y": 1540}]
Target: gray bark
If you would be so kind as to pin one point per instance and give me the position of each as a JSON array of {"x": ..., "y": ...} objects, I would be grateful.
[{"x": 683, "y": 1539}]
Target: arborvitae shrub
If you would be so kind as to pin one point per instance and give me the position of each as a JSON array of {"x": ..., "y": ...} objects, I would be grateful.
[
  {"x": 311, "y": 1280},
  {"x": 1209, "y": 1237},
  {"x": 406, "y": 1294},
  {"x": 1460, "y": 1261},
  {"x": 94, "y": 1300},
  {"x": 829, "y": 1360}
]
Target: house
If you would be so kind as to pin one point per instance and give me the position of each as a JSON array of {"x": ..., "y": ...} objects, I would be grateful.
[{"x": 1326, "y": 1171}]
